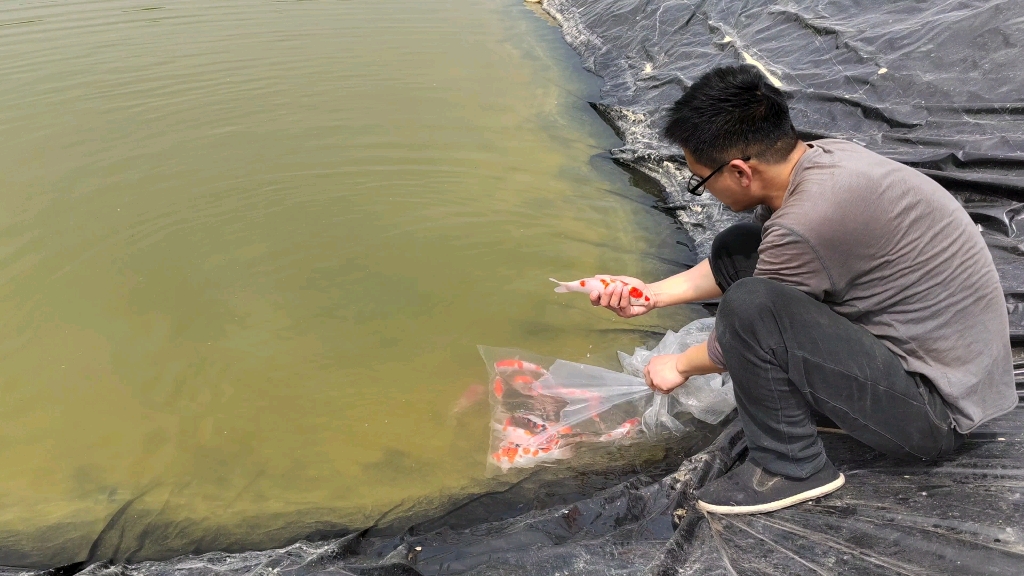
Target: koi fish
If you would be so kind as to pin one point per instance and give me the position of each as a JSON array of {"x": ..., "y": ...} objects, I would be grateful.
[
  {"x": 513, "y": 365},
  {"x": 628, "y": 429},
  {"x": 522, "y": 448},
  {"x": 520, "y": 374},
  {"x": 550, "y": 388},
  {"x": 471, "y": 396},
  {"x": 520, "y": 383},
  {"x": 516, "y": 457},
  {"x": 527, "y": 422},
  {"x": 573, "y": 396},
  {"x": 637, "y": 297}
]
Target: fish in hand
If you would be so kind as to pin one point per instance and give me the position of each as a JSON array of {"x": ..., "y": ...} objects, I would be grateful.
[{"x": 637, "y": 297}]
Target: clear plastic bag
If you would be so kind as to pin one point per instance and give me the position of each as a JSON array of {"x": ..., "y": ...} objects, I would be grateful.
[
  {"x": 541, "y": 408},
  {"x": 709, "y": 397}
]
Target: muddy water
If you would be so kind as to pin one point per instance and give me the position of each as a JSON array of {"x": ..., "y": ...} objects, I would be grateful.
[{"x": 247, "y": 251}]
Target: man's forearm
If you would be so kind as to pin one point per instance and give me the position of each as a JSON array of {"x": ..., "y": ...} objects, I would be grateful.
[
  {"x": 693, "y": 285},
  {"x": 695, "y": 362}
]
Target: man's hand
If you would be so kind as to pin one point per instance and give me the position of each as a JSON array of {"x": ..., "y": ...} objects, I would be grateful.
[
  {"x": 662, "y": 374},
  {"x": 615, "y": 297},
  {"x": 666, "y": 373}
]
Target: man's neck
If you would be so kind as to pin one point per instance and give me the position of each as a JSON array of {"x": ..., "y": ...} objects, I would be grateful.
[{"x": 776, "y": 177}]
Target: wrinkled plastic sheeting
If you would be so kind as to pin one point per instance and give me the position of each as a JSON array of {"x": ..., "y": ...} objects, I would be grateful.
[
  {"x": 1002, "y": 226},
  {"x": 961, "y": 515},
  {"x": 542, "y": 410},
  {"x": 935, "y": 85}
]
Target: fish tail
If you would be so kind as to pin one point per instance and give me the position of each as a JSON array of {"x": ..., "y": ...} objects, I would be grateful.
[{"x": 561, "y": 286}]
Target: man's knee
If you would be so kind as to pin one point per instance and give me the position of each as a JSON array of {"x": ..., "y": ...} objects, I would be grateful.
[
  {"x": 741, "y": 238},
  {"x": 747, "y": 300},
  {"x": 734, "y": 253}
]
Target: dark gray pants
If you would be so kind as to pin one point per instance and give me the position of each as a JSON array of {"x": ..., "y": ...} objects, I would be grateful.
[{"x": 790, "y": 356}]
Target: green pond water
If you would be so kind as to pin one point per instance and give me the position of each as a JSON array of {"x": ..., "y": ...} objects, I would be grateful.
[{"x": 247, "y": 251}]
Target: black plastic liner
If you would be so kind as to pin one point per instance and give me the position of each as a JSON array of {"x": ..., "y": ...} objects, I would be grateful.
[
  {"x": 935, "y": 85},
  {"x": 932, "y": 84}
]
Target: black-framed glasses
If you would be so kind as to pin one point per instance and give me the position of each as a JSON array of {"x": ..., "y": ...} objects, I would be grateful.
[{"x": 695, "y": 185}]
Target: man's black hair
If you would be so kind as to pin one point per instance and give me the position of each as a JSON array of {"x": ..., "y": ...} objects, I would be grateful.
[{"x": 729, "y": 113}]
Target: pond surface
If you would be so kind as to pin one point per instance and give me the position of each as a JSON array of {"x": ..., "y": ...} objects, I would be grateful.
[{"x": 247, "y": 251}]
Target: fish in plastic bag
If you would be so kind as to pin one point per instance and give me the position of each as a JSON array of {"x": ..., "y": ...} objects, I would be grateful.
[{"x": 543, "y": 408}]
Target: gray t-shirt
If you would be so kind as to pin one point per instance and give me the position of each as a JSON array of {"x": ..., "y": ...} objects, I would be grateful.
[{"x": 889, "y": 249}]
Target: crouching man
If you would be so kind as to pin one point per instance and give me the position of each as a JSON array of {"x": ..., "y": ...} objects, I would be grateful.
[{"x": 861, "y": 291}]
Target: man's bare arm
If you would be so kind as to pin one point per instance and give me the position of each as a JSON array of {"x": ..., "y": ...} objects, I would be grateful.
[
  {"x": 697, "y": 283},
  {"x": 694, "y": 361},
  {"x": 693, "y": 285},
  {"x": 666, "y": 373}
]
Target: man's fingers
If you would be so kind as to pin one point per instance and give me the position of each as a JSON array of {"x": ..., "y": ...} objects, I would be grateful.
[
  {"x": 647, "y": 378},
  {"x": 606, "y": 297},
  {"x": 617, "y": 297}
]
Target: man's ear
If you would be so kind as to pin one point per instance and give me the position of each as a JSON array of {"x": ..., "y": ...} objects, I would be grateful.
[{"x": 742, "y": 172}]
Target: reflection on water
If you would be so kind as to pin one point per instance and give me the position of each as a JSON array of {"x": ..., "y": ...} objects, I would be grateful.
[{"x": 248, "y": 250}]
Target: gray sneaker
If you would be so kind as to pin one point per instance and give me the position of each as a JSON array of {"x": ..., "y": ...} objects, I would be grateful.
[{"x": 750, "y": 489}]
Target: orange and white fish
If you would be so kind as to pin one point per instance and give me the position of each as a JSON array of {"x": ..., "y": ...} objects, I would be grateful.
[
  {"x": 520, "y": 374},
  {"x": 513, "y": 365},
  {"x": 526, "y": 457},
  {"x": 522, "y": 383},
  {"x": 521, "y": 448},
  {"x": 637, "y": 297},
  {"x": 627, "y": 429},
  {"x": 474, "y": 394}
]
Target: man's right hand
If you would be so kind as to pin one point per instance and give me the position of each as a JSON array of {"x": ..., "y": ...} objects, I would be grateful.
[{"x": 615, "y": 297}]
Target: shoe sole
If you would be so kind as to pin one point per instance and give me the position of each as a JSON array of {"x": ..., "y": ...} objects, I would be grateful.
[{"x": 778, "y": 504}]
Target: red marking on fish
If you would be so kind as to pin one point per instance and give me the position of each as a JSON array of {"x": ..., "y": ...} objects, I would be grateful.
[{"x": 499, "y": 388}]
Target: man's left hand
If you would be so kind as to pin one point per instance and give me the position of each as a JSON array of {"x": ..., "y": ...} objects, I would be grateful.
[{"x": 661, "y": 374}]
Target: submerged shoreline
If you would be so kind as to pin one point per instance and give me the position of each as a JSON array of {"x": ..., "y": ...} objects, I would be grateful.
[{"x": 190, "y": 475}]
